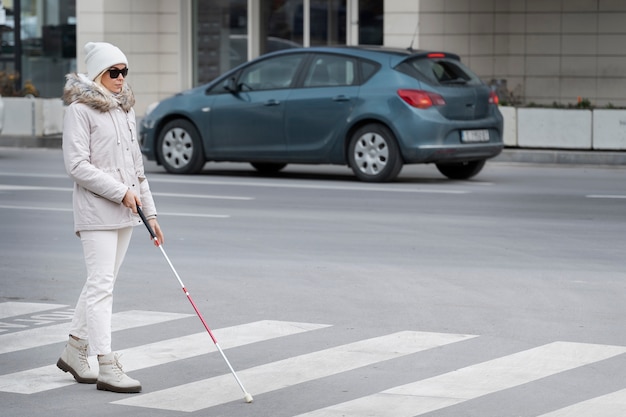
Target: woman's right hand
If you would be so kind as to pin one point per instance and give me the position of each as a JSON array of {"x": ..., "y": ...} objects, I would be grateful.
[{"x": 131, "y": 201}]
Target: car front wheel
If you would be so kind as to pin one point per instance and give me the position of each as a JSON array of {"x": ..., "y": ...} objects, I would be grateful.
[
  {"x": 461, "y": 170},
  {"x": 180, "y": 148},
  {"x": 373, "y": 154}
]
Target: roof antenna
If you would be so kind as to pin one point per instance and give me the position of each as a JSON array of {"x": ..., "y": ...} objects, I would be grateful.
[{"x": 410, "y": 48}]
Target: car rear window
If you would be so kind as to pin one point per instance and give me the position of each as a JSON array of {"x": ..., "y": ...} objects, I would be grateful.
[{"x": 444, "y": 71}]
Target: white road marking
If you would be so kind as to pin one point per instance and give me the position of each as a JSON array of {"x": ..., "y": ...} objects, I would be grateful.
[
  {"x": 41, "y": 336},
  {"x": 12, "y": 309},
  {"x": 35, "y": 208},
  {"x": 156, "y": 178},
  {"x": 8, "y": 187},
  {"x": 215, "y": 197},
  {"x": 610, "y": 405},
  {"x": 452, "y": 388},
  {"x": 30, "y": 175},
  {"x": 277, "y": 375},
  {"x": 50, "y": 377},
  {"x": 209, "y": 216},
  {"x": 161, "y": 213},
  {"x": 391, "y": 188},
  {"x": 606, "y": 196}
]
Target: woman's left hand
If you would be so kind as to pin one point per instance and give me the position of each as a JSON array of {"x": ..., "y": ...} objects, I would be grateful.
[{"x": 157, "y": 231}]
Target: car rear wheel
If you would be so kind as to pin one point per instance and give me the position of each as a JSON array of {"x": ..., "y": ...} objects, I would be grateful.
[
  {"x": 180, "y": 148},
  {"x": 373, "y": 154},
  {"x": 268, "y": 167},
  {"x": 461, "y": 170}
]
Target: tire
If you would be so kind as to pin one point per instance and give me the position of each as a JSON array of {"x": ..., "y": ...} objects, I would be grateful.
[
  {"x": 268, "y": 167},
  {"x": 179, "y": 148},
  {"x": 461, "y": 170},
  {"x": 373, "y": 154}
]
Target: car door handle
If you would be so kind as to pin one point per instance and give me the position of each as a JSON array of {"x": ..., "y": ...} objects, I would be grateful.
[
  {"x": 341, "y": 97},
  {"x": 272, "y": 102}
]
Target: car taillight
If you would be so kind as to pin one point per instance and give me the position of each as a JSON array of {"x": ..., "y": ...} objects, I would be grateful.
[
  {"x": 421, "y": 99},
  {"x": 493, "y": 98}
]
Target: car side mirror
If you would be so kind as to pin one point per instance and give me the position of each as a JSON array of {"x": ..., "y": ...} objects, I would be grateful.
[{"x": 231, "y": 86}]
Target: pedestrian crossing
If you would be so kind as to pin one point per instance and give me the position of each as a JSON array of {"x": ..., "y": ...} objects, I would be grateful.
[
  {"x": 416, "y": 398},
  {"x": 266, "y": 378}
]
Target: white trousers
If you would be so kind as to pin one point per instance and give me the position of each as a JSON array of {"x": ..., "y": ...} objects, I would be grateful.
[{"x": 104, "y": 251}]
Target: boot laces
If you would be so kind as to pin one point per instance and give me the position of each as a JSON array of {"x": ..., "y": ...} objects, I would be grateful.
[
  {"x": 117, "y": 366},
  {"x": 82, "y": 357}
]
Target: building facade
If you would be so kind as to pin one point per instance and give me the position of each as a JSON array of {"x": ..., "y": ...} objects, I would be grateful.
[{"x": 532, "y": 51}]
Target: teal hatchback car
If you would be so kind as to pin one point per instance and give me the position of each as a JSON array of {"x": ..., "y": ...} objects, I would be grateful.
[{"x": 371, "y": 108}]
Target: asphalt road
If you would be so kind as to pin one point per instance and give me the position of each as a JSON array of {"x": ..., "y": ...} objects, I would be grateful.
[{"x": 502, "y": 296}]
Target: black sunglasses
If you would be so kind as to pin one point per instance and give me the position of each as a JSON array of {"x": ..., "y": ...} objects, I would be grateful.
[{"x": 115, "y": 72}]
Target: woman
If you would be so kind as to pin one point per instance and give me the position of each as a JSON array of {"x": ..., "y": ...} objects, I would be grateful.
[{"x": 102, "y": 156}]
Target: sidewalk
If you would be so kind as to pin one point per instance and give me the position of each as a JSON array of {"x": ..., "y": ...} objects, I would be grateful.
[{"x": 531, "y": 156}]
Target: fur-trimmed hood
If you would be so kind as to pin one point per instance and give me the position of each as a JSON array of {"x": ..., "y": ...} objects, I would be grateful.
[{"x": 80, "y": 88}]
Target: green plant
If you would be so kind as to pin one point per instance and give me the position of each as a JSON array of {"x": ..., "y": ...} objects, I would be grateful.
[{"x": 583, "y": 103}]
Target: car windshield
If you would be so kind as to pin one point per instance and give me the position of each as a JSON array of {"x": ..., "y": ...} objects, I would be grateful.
[{"x": 439, "y": 71}]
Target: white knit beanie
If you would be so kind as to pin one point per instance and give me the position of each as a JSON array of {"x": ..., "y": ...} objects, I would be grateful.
[{"x": 101, "y": 56}]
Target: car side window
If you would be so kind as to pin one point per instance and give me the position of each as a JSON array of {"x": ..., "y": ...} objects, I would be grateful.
[
  {"x": 331, "y": 70},
  {"x": 270, "y": 74}
]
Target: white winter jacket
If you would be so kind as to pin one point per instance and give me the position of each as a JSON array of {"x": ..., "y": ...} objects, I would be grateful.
[{"x": 102, "y": 155}]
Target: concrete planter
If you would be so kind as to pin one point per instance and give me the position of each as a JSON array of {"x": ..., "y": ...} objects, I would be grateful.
[
  {"x": 575, "y": 129},
  {"x": 609, "y": 129},
  {"x": 32, "y": 117},
  {"x": 554, "y": 128},
  {"x": 510, "y": 125}
]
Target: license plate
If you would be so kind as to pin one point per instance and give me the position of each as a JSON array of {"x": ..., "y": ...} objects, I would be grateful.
[{"x": 473, "y": 136}]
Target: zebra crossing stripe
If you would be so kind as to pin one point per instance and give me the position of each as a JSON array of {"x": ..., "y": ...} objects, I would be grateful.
[
  {"x": 12, "y": 309},
  {"x": 40, "y": 336},
  {"x": 610, "y": 405},
  {"x": 50, "y": 377},
  {"x": 452, "y": 388},
  {"x": 276, "y": 375}
]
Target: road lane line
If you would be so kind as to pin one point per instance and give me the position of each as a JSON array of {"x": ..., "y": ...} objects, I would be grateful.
[
  {"x": 207, "y": 196},
  {"x": 610, "y": 405},
  {"x": 8, "y": 187},
  {"x": 210, "y": 216},
  {"x": 474, "y": 381},
  {"x": 607, "y": 196},
  {"x": 295, "y": 370},
  {"x": 34, "y": 208},
  {"x": 40, "y": 336},
  {"x": 12, "y": 308},
  {"x": 391, "y": 188},
  {"x": 50, "y": 377}
]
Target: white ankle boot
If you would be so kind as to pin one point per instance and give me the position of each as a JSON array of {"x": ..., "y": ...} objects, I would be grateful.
[
  {"x": 74, "y": 360},
  {"x": 113, "y": 378}
]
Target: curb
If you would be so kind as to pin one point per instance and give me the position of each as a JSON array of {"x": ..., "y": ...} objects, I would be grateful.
[
  {"x": 514, "y": 155},
  {"x": 52, "y": 141},
  {"x": 560, "y": 156}
]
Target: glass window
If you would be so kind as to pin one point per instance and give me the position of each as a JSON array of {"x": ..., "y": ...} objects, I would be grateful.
[
  {"x": 45, "y": 49},
  {"x": 220, "y": 36},
  {"x": 284, "y": 25},
  {"x": 269, "y": 74},
  {"x": 368, "y": 69},
  {"x": 371, "y": 22},
  {"x": 328, "y": 22},
  {"x": 331, "y": 70}
]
